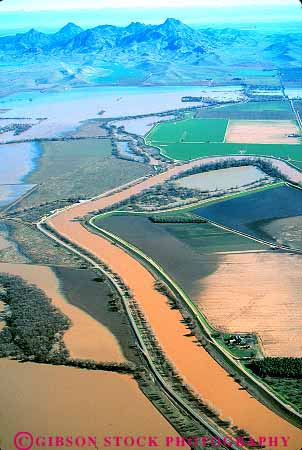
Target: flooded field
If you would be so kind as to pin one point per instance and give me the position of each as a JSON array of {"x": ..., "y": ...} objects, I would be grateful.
[
  {"x": 11, "y": 192},
  {"x": 141, "y": 125},
  {"x": 63, "y": 111},
  {"x": 185, "y": 251},
  {"x": 265, "y": 300},
  {"x": 248, "y": 214},
  {"x": 82, "y": 290},
  {"x": 64, "y": 401},
  {"x": 125, "y": 151},
  {"x": 87, "y": 338},
  {"x": 196, "y": 366},
  {"x": 16, "y": 162},
  {"x": 287, "y": 231},
  {"x": 222, "y": 179},
  {"x": 257, "y": 293}
]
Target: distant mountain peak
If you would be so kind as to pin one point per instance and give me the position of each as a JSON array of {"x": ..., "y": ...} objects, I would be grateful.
[
  {"x": 71, "y": 26},
  {"x": 149, "y": 45},
  {"x": 69, "y": 30},
  {"x": 31, "y": 32},
  {"x": 173, "y": 21}
]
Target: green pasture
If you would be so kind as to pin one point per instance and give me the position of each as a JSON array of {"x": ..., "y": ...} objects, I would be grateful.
[
  {"x": 188, "y": 151},
  {"x": 265, "y": 110},
  {"x": 188, "y": 130},
  {"x": 260, "y": 106}
]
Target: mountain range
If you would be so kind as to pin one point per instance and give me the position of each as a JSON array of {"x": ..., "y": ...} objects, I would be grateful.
[
  {"x": 171, "y": 52},
  {"x": 137, "y": 39}
]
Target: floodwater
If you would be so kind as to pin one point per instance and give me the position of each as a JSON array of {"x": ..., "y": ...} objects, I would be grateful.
[
  {"x": 16, "y": 161},
  {"x": 223, "y": 178},
  {"x": 142, "y": 125},
  {"x": 64, "y": 401},
  {"x": 11, "y": 192},
  {"x": 293, "y": 93},
  {"x": 64, "y": 110},
  {"x": 286, "y": 231},
  {"x": 195, "y": 365},
  {"x": 126, "y": 152},
  {"x": 86, "y": 338}
]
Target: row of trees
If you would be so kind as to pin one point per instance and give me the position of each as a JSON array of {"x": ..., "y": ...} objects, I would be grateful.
[
  {"x": 163, "y": 218},
  {"x": 35, "y": 213},
  {"x": 277, "y": 367},
  {"x": 264, "y": 165},
  {"x": 34, "y": 326},
  {"x": 16, "y": 128},
  {"x": 163, "y": 195}
]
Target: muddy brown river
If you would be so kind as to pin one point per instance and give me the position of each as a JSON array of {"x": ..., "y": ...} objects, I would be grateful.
[
  {"x": 195, "y": 365},
  {"x": 63, "y": 401}
]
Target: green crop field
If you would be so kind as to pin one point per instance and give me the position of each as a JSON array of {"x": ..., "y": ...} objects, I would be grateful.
[
  {"x": 188, "y": 130},
  {"x": 269, "y": 110},
  {"x": 187, "y": 151},
  {"x": 190, "y": 138}
]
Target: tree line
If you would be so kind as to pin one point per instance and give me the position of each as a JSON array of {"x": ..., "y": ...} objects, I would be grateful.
[
  {"x": 34, "y": 326},
  {"x": 176, "y": 219},
  {"x": 264, "y": 165},
  {"x": 277, "y": 367}
]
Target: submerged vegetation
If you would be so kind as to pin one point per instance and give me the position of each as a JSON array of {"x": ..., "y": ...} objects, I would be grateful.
[{"x": 34, "y": 327}]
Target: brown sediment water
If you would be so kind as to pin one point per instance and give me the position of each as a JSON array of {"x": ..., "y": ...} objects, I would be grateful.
[
  {"x": 195, "y": 365},
  {"x": 86, "y": 338},
  {"x": 64, "y": 401},
  {"x": 260, "y": 293}
]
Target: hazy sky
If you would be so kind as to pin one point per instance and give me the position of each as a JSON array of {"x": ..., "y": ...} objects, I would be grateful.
[{"x": 30, "y": 5}]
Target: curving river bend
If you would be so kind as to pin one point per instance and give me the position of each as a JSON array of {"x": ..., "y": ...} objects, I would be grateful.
[{"x": 195, "y": 365}]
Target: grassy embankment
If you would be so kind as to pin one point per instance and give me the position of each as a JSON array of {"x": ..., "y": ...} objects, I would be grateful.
[
  {"x": 184, "y": 217},
  {"x": 218, "y": 349}
]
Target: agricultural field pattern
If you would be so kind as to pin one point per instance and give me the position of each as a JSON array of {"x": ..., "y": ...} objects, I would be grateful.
[
  {"x": 225, "y": 135},
  {"x": 151, "y": 230}
]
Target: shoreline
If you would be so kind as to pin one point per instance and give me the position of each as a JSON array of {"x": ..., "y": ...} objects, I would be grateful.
[{"x": 134, "y": 275}]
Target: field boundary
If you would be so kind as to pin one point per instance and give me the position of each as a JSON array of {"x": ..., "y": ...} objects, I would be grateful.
[
  {"x": 226, "y": 131},
  {"x": 169, "y": 392},
  {"x": 277, "y": 158},
  {"x": 279, "y": 407},
  {"x": 160, "y": 145}
]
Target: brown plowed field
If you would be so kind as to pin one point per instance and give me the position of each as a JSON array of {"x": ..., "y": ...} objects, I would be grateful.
[
  {"x": 257, "y": 292},
  {"x": 195, "y": 365},
  {"x": 262, "y": 132}
]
